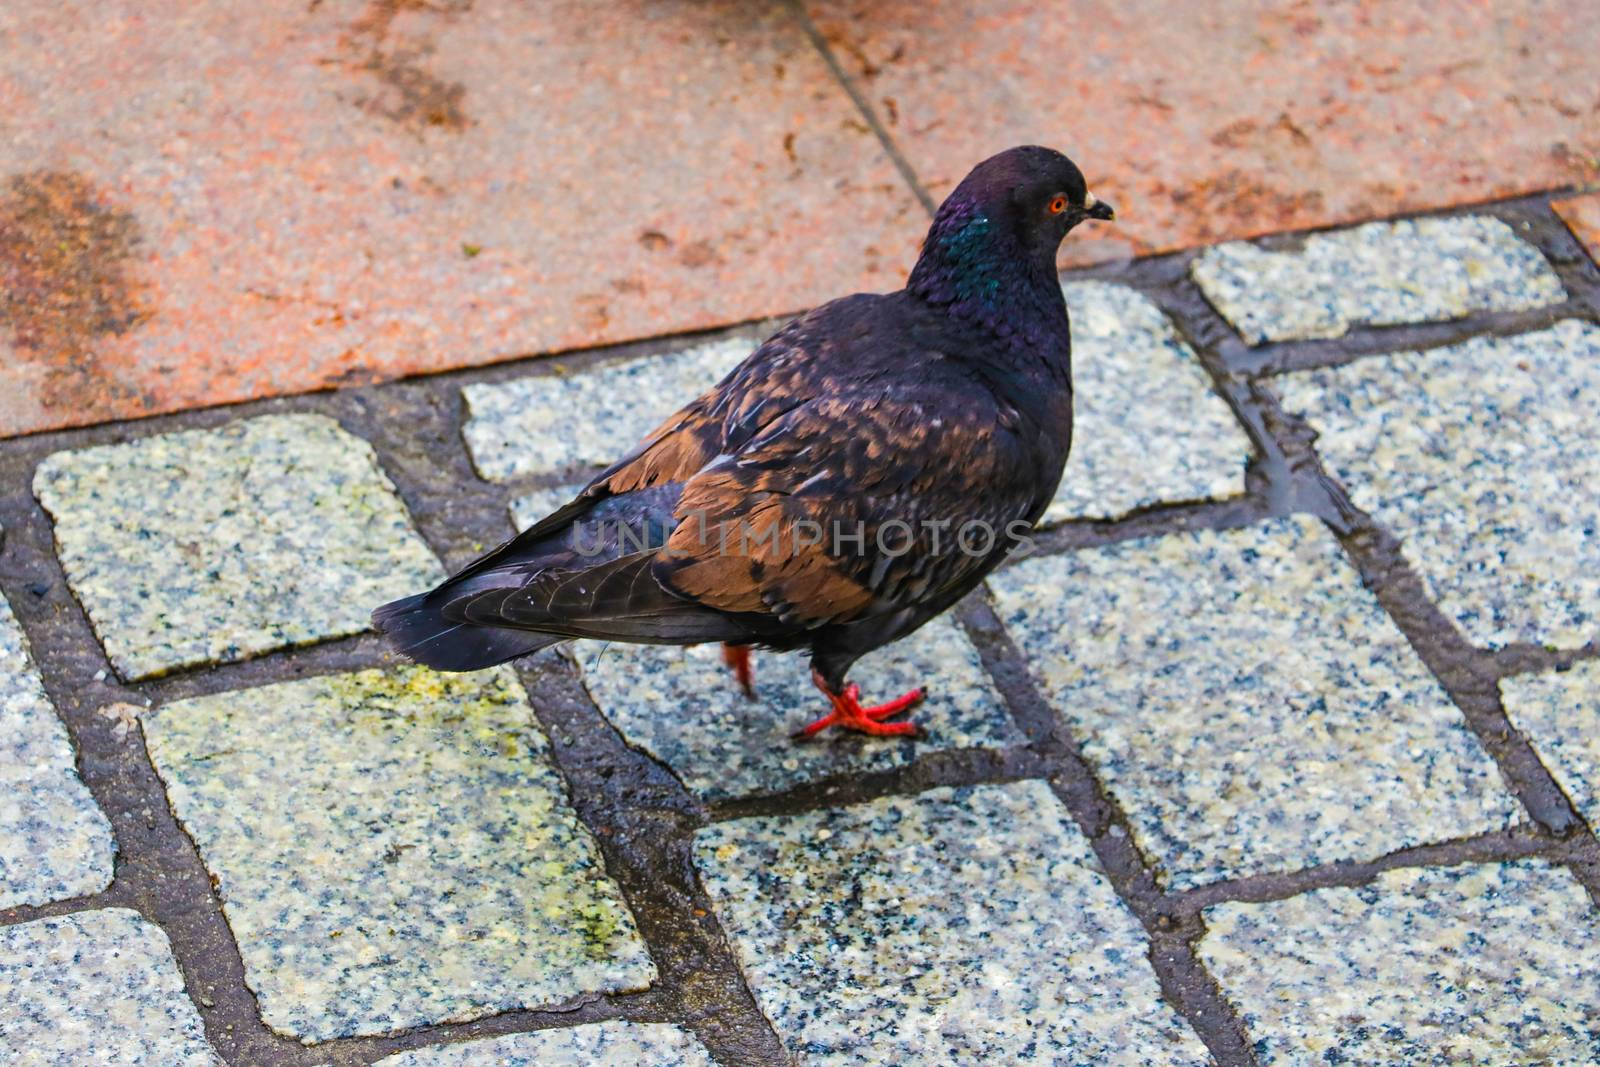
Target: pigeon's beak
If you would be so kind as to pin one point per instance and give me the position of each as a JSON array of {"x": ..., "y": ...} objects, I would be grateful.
[{"x": 1095, "y": 208}]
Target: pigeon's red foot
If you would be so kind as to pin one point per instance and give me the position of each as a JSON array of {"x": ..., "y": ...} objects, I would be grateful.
[
  {"x": 848, "y": 713},
  {"x": 737, "y": 657}
]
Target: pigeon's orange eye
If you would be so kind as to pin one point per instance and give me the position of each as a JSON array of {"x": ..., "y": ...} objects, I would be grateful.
[{"x": 1058, "y": 205}]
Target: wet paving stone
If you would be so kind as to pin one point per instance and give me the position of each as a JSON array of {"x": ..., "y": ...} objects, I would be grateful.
[
  {"x": 210, "y": 546},
  {"x": 95, "y": 987},
  {"x": 1380, "y": 274},
  {"x": 618, "y": 1042},
  {"x": 1482, "y": 458},
  {"x": 957, "y": 926},
  {"x": 1248, "y": 702},
  {"x": 394, "y": 849},
  {"x": 1483, "y": 965},
  {"x": 551, "y": 423},
  {"x": 55, "y": 842},
  {"x": 1147, "y": 427},
  {"x": 682, "y": 707},
  {"x": 1560, "y": 715}
]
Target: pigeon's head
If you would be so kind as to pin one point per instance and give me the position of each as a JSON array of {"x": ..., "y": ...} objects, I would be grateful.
[
  {"x": 1002, "y": 226},
  {"x": 1036, "y": 193}
]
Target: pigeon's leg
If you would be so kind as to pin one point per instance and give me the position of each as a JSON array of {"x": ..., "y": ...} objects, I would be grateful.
[
  {"x": 737, "y": 657},
  {"x": 848, "y": 713}
]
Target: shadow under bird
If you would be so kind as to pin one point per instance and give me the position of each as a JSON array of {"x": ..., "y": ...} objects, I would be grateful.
[{"x": 862, "y": 471}]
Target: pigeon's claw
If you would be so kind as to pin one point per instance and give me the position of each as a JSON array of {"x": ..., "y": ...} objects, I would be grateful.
[
  {"x": 848, "y": 714},
  {"x": 737, "y": 657}
]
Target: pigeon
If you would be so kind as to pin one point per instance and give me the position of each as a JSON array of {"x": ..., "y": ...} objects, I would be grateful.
[{"x": 858, "y": 474}]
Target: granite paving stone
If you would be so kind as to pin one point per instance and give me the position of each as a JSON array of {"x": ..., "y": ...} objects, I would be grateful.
[
  {"x": 962, "y": 925},
  {"x": 54, "y": 841},
  {"x": 394, "y": 849},
  {"x": 1582, "y": 216},
  {"x": 1380, "y": 274},
  {"x": 1326, "y": 114},
  {"x": 1559, "y": 713},
  {"x": 210, "y": 546},
  {"x": 1147, "y": 427},
  {"x": 95, "y": 987},
  {"x": 206, "y": 204},
  {"x": 528, "y": 508},
  {"x": 617, "y": 1043},
  {"x": 551, "y": 423},
  {"x": 682, "y": 707},
  {"x": 1477, "y": 965},
  {"x": 1482, "y": 458},
  {"x": 1247, "y": 701}
]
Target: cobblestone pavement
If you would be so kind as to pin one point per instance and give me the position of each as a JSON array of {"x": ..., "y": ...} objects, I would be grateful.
[{"x": 1280, "y": 748}]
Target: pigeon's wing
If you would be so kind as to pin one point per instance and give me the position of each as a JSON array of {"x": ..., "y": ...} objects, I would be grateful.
[
  {"x": 851, "y": 506},
  {"x": 780, "y": 375},
  {"x": 586, "y": 569},
  {"x": 588, "y": 576},
  {"x": 769, "y": 381}
]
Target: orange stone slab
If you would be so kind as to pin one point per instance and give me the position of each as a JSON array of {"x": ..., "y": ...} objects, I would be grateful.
[
  {"x": 1220, "y": 119},
  {"x": 204, "y": 202},
  {"x": 1582, "y": 216}
]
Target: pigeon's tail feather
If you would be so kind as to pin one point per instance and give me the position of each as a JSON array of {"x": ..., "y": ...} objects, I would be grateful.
[{"x": 419, "y": 630}]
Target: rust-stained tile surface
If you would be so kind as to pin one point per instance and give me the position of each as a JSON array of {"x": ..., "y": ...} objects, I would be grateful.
[
  {"x": 1215, "y": 120},
  {"x": 204, "y": 203},
  {"x": 1582, "y": 216}
]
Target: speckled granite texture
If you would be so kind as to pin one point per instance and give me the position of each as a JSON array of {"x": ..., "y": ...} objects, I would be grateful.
[
  {"x": 1380, "y": 274},
  {"x": 610, "y": 1044},
  {"x": 1248, "y": 702},
  {"x": 54, "y": 841},
  {"x": 550, "y": 423},
  {"x": 957, "y": 926},
  {"x": 418, "y": 861},
  {"x": 97, "y": 987},
  {"x": 210, "y": 546},
  {"x": 1147, "y": 427},
  {"x": 682, "y": 706},
  {"x": 529, "y": 508},
  {"x": 1483, "y": 459},
  {"x": 1560, "y": 715},
  {"x": 1483, "y": 965}
]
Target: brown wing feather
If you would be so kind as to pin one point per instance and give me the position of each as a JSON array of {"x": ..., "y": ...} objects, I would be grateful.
[
  {"x": 778, "y": 377},
  {"x": 674, "y": 451},
  {"x": 749, "y": 524}
]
